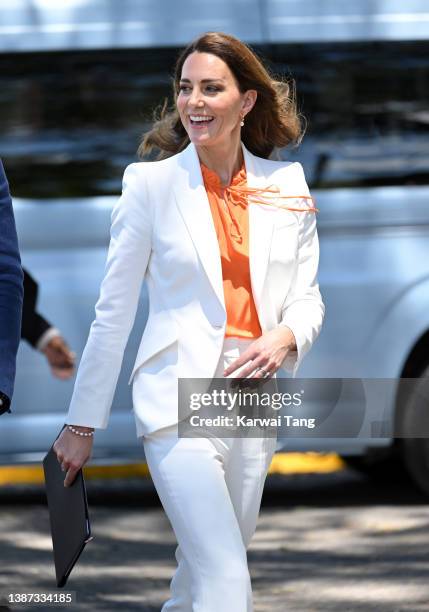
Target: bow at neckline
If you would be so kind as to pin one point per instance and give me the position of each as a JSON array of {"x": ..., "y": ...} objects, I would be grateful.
[{"x": 237, "y": 193}]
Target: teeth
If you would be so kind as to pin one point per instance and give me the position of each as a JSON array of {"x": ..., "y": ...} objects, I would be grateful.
[{"x": 200, "y": 118}]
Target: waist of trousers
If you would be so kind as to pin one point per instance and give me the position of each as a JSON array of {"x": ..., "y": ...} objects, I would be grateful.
[{"x": 234, "y": 344}]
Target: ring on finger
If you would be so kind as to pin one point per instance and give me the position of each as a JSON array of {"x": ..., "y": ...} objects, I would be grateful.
[{"x": 263, "y": 371}]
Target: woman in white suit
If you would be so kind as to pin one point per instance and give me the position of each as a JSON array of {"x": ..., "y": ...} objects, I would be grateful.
[{"x": 226, "y": 240}]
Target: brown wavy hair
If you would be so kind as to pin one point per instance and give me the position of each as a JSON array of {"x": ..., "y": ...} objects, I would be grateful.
[{"x": 272, "y": 122}]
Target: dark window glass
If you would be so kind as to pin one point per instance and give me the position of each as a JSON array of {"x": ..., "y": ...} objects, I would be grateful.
[
  {"x": 71, "y": 122},
  {"x": 367, "y": 107}
]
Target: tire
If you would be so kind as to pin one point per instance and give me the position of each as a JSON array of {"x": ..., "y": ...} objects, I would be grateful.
[
  {"x": 414, "y": 416},
  {"x": 380, "y": 465}
]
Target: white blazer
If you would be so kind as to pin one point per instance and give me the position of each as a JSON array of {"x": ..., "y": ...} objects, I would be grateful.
[{"x": 162, "y": 231}]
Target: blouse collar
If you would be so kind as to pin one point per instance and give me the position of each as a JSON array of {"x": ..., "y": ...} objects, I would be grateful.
[{"x": 212, "y": 179}]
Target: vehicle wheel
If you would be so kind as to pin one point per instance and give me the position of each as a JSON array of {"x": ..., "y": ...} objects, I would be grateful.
[
  {"x": 414, "y": 416},
  {"x": 379, "y": 464}
]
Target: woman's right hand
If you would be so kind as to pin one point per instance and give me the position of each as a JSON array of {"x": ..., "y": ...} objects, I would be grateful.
[{"x": 72, "y": 451}]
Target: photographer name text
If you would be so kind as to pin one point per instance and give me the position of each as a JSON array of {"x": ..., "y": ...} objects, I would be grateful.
[{"x": 287, "y": 420}]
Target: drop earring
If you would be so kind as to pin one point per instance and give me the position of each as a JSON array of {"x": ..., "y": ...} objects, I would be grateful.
[{"x": 242, "y": 121}]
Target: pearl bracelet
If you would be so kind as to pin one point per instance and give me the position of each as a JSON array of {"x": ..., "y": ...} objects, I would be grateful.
[{"x": 80, "y": 433}]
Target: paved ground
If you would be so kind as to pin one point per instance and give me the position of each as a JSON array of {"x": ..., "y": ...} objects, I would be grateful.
[{"x": 324, "y": 542}]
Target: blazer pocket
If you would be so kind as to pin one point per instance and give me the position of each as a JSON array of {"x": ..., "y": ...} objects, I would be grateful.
[{"x": 160, "y": 332}]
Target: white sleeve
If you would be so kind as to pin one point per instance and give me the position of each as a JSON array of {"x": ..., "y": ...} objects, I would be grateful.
[
  {"x": 303, "y": 310},
  {"x": 115, "y": 310}
]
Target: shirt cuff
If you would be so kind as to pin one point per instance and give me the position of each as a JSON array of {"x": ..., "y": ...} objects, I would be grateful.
[{"x": 46, "y": 337}]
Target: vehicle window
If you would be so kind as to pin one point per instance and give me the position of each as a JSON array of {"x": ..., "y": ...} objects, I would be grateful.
[
  {"x": 71, "y": 121},
  {"x": 367, "y": 107}
]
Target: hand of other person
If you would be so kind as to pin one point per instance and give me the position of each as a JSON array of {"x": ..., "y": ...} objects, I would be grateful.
[
  {"x": 61, "y": 359},
  {"x": 266, "y": 352},
  {"x": 73, "y": 451}
]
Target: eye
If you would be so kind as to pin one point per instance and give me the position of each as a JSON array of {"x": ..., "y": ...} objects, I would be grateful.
[
  {"x": 212, "y": 88},
  {"x": 183, "y": 87}
]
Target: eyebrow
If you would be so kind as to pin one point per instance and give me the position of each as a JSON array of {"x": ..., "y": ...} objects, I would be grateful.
[{"x": 202, "y": 80}]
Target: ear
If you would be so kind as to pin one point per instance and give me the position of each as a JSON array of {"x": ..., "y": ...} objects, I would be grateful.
[{"x": 249, "y": 100}]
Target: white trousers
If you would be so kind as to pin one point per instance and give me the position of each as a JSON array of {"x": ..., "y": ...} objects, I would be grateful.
[{"x": 211, "y": 491}]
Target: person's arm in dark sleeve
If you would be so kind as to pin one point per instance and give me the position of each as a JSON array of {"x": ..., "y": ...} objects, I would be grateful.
[
  {"x": 11, "y": 292},
  {"x": 34, "y": 326},
  {"x": 43, "y": 336}
]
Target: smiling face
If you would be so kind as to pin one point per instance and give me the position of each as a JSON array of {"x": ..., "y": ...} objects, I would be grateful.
[{"x": 209, "y": 102}]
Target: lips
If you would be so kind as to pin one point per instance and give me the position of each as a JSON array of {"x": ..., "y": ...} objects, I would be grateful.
[{"x": 200, "y": 120}]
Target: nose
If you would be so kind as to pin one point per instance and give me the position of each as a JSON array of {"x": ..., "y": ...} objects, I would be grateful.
[{"x": 195, "y": 99}]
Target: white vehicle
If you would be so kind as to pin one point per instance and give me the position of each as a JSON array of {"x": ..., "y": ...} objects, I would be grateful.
[{"x": 78, "y": 84}]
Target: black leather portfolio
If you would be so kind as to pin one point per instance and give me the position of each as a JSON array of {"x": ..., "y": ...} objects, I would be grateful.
[{"x": 68, "y": 514}]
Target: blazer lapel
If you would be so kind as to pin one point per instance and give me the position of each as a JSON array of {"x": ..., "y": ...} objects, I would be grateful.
[
  {"x": 192, "y": 201},
  {"x": 261, "y": 225}
]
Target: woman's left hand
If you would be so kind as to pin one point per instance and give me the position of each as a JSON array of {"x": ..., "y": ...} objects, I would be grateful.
[{"x": 266, "y": 352}]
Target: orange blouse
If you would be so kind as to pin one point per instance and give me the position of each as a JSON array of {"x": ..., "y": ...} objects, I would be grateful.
[{"x": 231, "y": 221}]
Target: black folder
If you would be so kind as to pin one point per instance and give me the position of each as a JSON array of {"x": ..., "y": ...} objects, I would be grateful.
[{"x": 68, "y": 514}]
